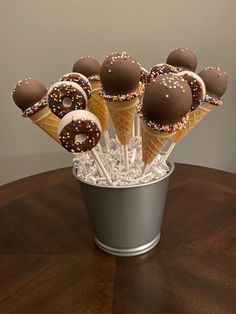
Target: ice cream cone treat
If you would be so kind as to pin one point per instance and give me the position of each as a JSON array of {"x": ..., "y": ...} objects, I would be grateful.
[
  {"x": 160, "y": 69},
  {"x": 90, "y": 67},
  {"x": 66, "y": 96},
  {"x": 30, "y": 96},
  {"x": 80, "y": 79},
  {"x": 120, "y": 77},
  {"x": 164, "y": 110},
  {"x": 216, "y": 82},
  {"x": 182, "y": 58}
]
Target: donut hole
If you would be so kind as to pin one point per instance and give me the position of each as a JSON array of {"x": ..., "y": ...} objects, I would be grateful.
[
  {"x": 67, "y": 102},
  {"x": 80, "y": 138}
]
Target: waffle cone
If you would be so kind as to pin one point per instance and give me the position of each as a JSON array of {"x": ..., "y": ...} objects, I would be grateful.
[
  {"x": 194, "y": 118},
  {"x": 47, "y": 121},
  {"x": 152, "y": 143},
  {"x": 97, "y": 105},
  {"x": 122, "y": 114}
]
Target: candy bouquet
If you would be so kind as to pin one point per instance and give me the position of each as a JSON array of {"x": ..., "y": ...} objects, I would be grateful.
[{"x": 149, "y": 110}]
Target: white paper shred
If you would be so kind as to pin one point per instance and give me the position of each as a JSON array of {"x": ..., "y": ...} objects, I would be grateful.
[{"x": 114, "y": 163}]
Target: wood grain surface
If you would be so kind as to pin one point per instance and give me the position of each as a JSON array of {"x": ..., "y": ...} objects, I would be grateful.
[{"x": 50, "y": 264}]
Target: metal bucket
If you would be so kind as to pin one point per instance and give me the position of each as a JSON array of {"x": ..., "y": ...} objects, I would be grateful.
[{"x": 126, "y": 220}]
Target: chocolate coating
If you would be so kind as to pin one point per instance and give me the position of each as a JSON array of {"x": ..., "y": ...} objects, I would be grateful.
[
  {"x": 120, "y": 74},
  {"x": 79, "y": 79},
  {"x": 66, "y": 96},
  {"x": 69, "y": 133},
  {"x": 215, "y": 80},
  {"x": 183, "y": 58},
  {"x": 160, "y": 69},
  {"x": 88, "y": 66},
  {"x": 144, "y": 76},
  {"x": 27, "y": 93},
  {"x": 167, "y": 99}
]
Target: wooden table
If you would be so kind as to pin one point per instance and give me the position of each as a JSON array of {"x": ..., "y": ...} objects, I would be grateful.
[{"x": 50, "y": 264}]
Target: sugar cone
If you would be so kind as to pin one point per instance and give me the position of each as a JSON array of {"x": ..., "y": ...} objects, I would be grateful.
[
  {"x": 47, "y": 121},
  {"x": 152, "y": 143},
  {"x": 194, "y": 118},
  {"x": 97, "y": 105},
  {"x": 122, "y": 114}
]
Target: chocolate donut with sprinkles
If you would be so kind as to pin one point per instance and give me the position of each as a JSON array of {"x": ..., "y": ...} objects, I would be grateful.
[
  {"x": 144, "y": 76},
  {"x": 197, "y": 87},
  {"x": 80, "y": 79},
  {"x": 79, "y": 131},
  {"x": 66, "y": 96},
  {"x": 159, "y": 69}
]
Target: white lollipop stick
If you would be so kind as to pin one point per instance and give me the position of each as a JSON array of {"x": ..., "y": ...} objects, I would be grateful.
[
  {"x": 99, "y": 169},
  {"x": 146, "y": 168},
  {"x": 133, "y": 130},
  {"x": 126, "y": 157},
  {"x": 99, "y": 162},
  {"x": 107, "y": 140},
  {"x": 133, "y": 156},
  {"x": 99, "y": 147},
  {"x": 167, "y": 154},
  {"x": 138, "y": 125}
]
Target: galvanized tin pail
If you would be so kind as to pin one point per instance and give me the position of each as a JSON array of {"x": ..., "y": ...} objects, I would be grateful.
[{"x": 126, "y": 220}]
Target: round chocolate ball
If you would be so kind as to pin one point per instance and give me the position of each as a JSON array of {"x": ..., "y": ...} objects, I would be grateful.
[
  {"x": 167, "y": 99},
  {"x": 215, "y": 80},
  {"x": 28, "y": 92},
  {"x": 183, "y": 58},
  {"x": 120, "y": 74},
  {"x": 87, "y": 66}
]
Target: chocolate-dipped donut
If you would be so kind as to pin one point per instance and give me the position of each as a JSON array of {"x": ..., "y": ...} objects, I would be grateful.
[
  {"x": 183, "y": 58},
  {"x": 159, "y": 69},
  {"x": 88, "y": 66},
  {"x": 66, "y": 96},
  {"x": 80, "y": 79},
  {"x": 166, "y": 102},
  {"x": 120, "y": 74},
  {"x": 144, "y": 76},
  {"x": 216, "y": 81},
  {"x": 27, "y": 93},
  {"x": 197, "y": 87},
  {"x": 79, "y": 131}
]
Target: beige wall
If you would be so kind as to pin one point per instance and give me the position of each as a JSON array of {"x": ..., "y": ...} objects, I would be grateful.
[{"x": 43, "y": 38}]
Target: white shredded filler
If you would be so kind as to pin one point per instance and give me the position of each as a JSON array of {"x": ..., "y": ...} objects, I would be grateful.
[{"x": 113, "y": 161}]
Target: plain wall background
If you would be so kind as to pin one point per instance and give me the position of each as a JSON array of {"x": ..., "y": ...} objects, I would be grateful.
[{"x": 42, "y": 39}]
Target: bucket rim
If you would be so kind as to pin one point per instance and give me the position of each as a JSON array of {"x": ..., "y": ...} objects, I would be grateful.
[{"x": 170, "y": 164}]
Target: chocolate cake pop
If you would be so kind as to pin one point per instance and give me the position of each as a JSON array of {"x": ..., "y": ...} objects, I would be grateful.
[
  {"x": 80, "y": 79},
  {"x": 216, "y": 82},
  {"x": 120, "y": 74},
  {"x": 166, "y": 101},
  {"x": 183, "y": 58},
  {"x": 159, "y": 69},
  {"x": 27, "y": 93},
  {"x": 88, "y": 66}
]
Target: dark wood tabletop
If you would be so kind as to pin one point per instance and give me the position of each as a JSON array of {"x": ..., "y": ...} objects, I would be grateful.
[{"x": 50, "y": 264}]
